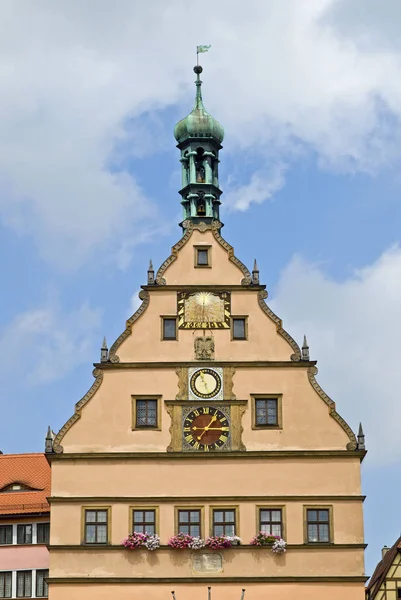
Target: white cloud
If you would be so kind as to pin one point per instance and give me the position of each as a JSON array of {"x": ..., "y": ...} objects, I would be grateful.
[
  {"x": 280, "y": 76},
  {"x": 354, "y": 331},
  {"x": 134, "y": 304},
  {"x": 45, "y": 343},
  {"x": 260, "y": 188}
]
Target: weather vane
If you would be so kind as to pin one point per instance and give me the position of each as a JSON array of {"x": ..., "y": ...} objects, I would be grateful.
[{"x": 199, "y": 50}]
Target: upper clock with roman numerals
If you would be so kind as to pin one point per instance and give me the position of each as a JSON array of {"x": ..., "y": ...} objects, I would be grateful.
[{"x": 206, "y": 428}]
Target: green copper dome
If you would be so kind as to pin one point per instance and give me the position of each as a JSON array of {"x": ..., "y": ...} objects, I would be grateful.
[{"x": 199, "y": 123}]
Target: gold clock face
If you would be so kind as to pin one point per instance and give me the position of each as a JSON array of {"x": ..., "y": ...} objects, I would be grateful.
[
  {"x": 206, "y": 428},
  {"x": 204, "y": 310},
  {"x": 205, "y": 383}
]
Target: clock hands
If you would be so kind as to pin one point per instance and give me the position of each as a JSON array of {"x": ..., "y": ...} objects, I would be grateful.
[
  {"x": 211, "y": 428},
  {"x": 213, "y": 419}
]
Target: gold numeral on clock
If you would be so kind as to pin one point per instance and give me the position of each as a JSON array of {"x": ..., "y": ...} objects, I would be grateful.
[{"x": 206, "y": 410}]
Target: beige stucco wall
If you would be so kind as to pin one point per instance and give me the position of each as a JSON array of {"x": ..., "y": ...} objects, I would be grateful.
[
  {"x": 198, "y": 591},
  {"x": 105, "y": 424},
  {"x": 347, "y": 519}
]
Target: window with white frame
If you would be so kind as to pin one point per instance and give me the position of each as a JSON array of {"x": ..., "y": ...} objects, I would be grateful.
[{"x": 6, "y": 578}]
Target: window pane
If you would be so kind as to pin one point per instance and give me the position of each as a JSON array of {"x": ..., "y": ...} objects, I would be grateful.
[
  {"x": 169, "y": 329},
  {"x": 218, "y": 529},
  {"x": 6, "y": 534},
  {"x": 138, "y": 516},
  {"x": 90, "y": 516},
  {"x": 194, "y": 530},
  {"x": 272, "y": 412},
  {"x": 230, "y": 530},
  {"x": 102, "y": 534},
  {"x": 276, "y": 515},
  {"x": 265, "y": 515},
  {"x": 229, "y": 515},
  {"x": 195, "y": 516},
  {"x": 312, "y": 533},
  {"x": 323, "y": 533},
  {"x": 24, "y": 584},
  {"x": 90, "y": 534},
  {"x": 41, "y": 585},
  {"x": 312, "y": 515},
  {"x": 276, "y": 530},
  {"x": 5, "y": 585},
  {"x": 43, "y": 533},
  {"x": 183, "y": 516},
  {"x": 150, "y": 516},
  {"x": 102, "y": 516},
  {"x": 323, "y": 515},
  {"x": 218, "y": 516},
  {"x": 202, "y": 257},
  {"x": 149, "y": 528},
  {"x": 146, "y": 413},
  {"x": 239, "y": 329},
  {"x": 138, "y": 528}
]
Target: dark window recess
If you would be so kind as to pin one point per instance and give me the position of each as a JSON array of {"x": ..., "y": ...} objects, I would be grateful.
[
  {"x": 270, "y": 521},
  {"x": 43, "y": 533},
  {"x": 203, "y": 257},
  {"x": 169, "y": 329},
  {"x": 96, "y": 526},
  {"x": 24, "y": 584},
  {"x": 189, "y": 522},
  {"x": 398, "y": 592},
  {"x": 223, "y": 522},
  {"x": 41, "y": 585},
  {"x": 5, "y": 584},
  {"x": 318, "y": 523},
  {"x": 24, "y": 534},
  {"x": 266, "y": 411},
  {"x": 239, "y": 331},
  {"x": 6, "y": 535},
  {"x": 146, "y": 413},
  {"x": 144, "y": 521}
]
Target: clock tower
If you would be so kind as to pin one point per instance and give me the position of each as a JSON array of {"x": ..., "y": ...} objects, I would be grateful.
[{"x": 205, "y": 453}]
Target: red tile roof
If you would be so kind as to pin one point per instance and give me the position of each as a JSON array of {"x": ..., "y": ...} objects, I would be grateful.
[{"x": 30, "y": 470}]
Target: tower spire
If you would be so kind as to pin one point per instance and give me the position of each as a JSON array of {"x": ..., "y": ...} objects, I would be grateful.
[
  {"x": 305, "y": 350},
  {"x": 199, "y": 138}
]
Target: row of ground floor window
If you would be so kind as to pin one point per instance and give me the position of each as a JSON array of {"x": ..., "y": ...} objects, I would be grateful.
[
  {"x": 24, "y": 584},
  {"x": 224, "y": 521}
]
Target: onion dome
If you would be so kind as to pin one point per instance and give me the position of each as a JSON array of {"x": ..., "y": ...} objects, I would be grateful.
[{"x": 199, "y": 123}]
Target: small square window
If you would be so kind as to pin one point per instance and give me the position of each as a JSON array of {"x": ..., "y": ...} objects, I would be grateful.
[
  {"x": 169, "y": 328},
  {"x": 144, "y": 520},
  {"x": 239, "y": 328},
  {"x": 43, "y": 533},
  {"x": 5, "y": 584},
  {"x": 224, "y": 522},
  {"x": 266, "y": 412},
  {"x": 189, "y": 522},
  {"x": 96, "y": 526},
  {"x": 146, "y": 413},
  {"x": 318, "y": 525},
  {"x": 6, "y": 535},
  {"x": 202, "y": 256},
  {"x": 42, "y": 590},
  {"x": 24, "y": 584},
  {"x": 271, "y": 521},
  {"x": 24, "y": 534}
]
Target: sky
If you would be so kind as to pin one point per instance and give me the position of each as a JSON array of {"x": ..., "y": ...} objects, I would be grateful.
[{"x": 309, "y": 94}]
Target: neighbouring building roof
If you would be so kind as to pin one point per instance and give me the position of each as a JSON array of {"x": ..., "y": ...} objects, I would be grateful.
[
  {"x": 32, "y": 473},
  {"x": 381, "y": 570}
]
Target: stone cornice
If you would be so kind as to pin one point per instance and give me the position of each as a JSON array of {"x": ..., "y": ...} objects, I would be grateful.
[
  {"x": 245, "y": 455},
  {"x": 286, "y": 364},
  {"x": 216, "y": 288},
  {"x": 202, "y": 499},
  {"x": 216, "y": 578},
  {"x": 242, "y": 547}
]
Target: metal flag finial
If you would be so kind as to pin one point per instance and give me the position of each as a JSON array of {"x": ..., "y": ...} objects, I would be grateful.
[
  {"x": 243, "y": 594},
  {"x": 209, "y": 593},
  {"x": 173, "y": 595}
]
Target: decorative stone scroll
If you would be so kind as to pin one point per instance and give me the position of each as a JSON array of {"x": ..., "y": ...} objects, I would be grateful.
[{"x": 206, "y": 563}]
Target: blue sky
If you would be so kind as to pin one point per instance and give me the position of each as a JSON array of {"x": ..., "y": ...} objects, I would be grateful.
[{"x": 310, "y": 98}]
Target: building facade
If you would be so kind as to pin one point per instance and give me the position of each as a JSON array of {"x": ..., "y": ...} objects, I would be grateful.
[
  {"x": 385, "y": 583},
  {"x": 24, "y": 525},
  {"x": 205, "y": 418}
]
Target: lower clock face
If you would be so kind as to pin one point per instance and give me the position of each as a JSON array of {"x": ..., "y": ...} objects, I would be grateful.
[{"x": 206, "y": 428}]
